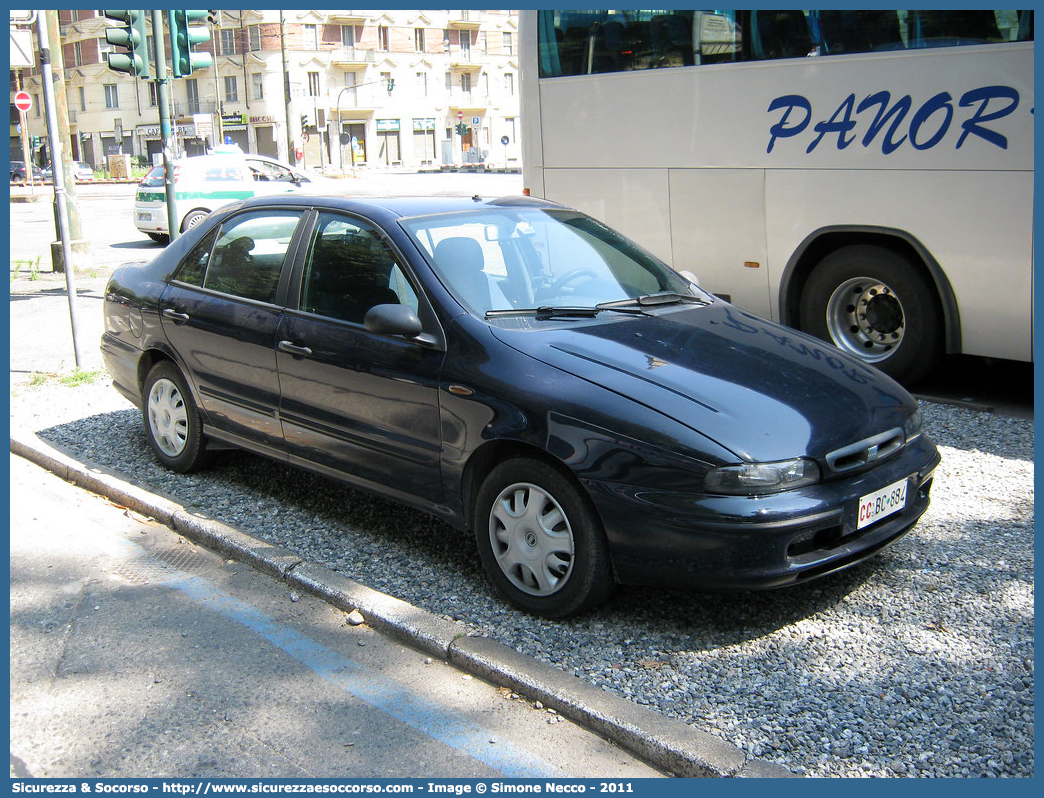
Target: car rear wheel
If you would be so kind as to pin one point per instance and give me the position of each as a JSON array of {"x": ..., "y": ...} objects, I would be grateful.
[
  {"x": 540, "y": 540},
  {"x": 172, "y": 423},
  {"x": 192, "y": 218}
]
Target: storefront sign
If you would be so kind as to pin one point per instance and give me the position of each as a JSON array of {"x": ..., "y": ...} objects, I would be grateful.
[
  {"x": 233, "y": 122},
  {"x": 387, "y": 125}
]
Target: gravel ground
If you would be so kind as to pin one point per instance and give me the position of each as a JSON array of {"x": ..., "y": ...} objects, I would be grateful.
[{"x": 919, "y": 663}]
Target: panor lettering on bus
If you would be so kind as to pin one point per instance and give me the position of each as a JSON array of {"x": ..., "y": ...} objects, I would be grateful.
[{"x": 928, "y": 126}]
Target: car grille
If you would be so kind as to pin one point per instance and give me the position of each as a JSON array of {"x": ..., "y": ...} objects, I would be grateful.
[{"x": 865, "y": 453}]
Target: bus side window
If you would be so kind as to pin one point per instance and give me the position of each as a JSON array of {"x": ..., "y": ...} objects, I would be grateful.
[
  {"x": 780, "y": 34},
  {"x": 859, "y": 31}
]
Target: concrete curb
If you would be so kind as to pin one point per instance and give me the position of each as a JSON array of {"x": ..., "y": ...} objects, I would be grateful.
[{"x": 664, "y": 742}]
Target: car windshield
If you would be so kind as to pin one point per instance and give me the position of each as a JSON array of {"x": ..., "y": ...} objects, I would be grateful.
[{"x": 535, "y": 260}]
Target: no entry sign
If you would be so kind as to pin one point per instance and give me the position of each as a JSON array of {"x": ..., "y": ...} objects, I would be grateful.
[{"x": 23, "y": 102}]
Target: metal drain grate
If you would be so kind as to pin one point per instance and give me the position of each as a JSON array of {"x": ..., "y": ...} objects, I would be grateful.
[{"x": 160, "y": 566}]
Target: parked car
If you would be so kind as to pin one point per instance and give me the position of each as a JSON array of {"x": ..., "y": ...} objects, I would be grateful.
[
  {"x": 517, "y": 368},
  {"x": 203, "y": 183},
  {"x": 18, "y": 172},
  {"x": 81, "y": 172}
]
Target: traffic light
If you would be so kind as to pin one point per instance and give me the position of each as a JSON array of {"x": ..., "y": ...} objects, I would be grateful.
[
  {"x": 462, "y": 129},
  {"x": 183, "y": 37},
  {"x": 391, "y": 84},
  {"x": 34, "y": 141},
  {"x": 306, "y": 121},
  {"x": 133, "y": 37}
]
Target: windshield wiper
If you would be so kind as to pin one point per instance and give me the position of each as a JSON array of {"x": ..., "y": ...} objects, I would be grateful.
[
  {"x": 556, "y": 312},
  {"x": 662, "y": 298}
]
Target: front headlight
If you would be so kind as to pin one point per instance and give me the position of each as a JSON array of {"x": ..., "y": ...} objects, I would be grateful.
[
  {"x": 756, "y": 479},
  {"x": 912, "y": 425}
]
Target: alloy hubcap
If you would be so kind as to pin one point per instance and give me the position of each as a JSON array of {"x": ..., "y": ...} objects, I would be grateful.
[
  {"x": 168, "y": 417},
  {"x": 865, "y": 318},
  {"x": 532, "y": 539}
]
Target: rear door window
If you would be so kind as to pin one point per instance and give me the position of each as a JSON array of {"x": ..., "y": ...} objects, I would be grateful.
[{"x": 244, "y": 257}]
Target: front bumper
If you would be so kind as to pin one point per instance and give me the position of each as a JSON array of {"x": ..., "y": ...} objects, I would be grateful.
[{"x": 738, "y": 542}]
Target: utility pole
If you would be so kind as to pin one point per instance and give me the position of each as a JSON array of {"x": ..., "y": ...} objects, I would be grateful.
[
  {"x": 57, "y": 152},
  {"x": 61, "y": 109},
  {"x": 290, "y": 156}
]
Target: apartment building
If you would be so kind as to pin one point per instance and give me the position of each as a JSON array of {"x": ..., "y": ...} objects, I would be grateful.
[{"x": 359, "y": 88}]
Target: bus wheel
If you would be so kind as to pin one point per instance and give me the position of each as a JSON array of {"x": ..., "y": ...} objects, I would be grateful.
[{"x": 877, "y": 305}]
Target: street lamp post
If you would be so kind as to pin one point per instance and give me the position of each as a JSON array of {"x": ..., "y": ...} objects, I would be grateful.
[
  {"x": 390, "y": 83},
  {"x": 340, "y": 147}
]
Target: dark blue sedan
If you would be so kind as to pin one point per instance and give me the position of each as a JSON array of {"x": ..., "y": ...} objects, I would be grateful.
[{"x": 519, "y": 369}]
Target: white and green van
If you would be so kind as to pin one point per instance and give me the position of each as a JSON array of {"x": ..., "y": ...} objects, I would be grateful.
[{"x": 203, "y": 183}]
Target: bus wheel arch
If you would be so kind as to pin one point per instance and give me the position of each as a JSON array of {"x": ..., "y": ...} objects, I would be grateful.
[{"x": 877, "y": 294}]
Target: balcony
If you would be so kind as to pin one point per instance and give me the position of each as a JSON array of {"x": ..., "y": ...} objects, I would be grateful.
[
  {"x": 348, "y": 17},
  {"x": 464, "y": 20},
  {"x": 352, "y": 102},
  {"x": 464, "y": 60},
  {"x": 190, "y": 107},
  {"x": 461, "y": 100},
  {"x": 351, "y": 56}
]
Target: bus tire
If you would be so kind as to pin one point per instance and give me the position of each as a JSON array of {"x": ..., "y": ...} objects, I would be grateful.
[{"x": 877, "y": 305}]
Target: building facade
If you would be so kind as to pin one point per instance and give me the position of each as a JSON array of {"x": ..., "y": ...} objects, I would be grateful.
[{"x": 359, "y": 88}]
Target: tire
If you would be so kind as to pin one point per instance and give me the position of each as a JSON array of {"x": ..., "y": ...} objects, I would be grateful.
[
  {"x": 541, "y": 541},
  {"x": 877, "y": 305},
  {"x": 172, "y": 422},
  {"x": 192, "y": 218},
  {"x": 159, "y": 238}
]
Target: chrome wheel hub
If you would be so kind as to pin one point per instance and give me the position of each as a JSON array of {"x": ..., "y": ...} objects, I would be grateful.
[
  {"x": 865, "y": 318},
  {"x": 532, "y": 539},
  {"x": 168, "y": 417}
]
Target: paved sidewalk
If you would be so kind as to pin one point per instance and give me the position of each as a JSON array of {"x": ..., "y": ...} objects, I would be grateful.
[
  {"x": 665, "y": 743},
  {"x": 135, "y": 653}
]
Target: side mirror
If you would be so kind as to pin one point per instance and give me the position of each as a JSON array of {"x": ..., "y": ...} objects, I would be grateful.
[{"x": 393, "y": 320}]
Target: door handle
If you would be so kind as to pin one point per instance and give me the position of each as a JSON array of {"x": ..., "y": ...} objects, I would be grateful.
[
  {"x": 297, "y": 351},
  {"x": 174, "y": 316}
]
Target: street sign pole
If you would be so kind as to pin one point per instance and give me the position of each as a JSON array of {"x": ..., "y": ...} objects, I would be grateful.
[
  {"x": 57, "y": 157},
  {"x": 163, "y": 100},
  {"x": 26, "y": 151}
]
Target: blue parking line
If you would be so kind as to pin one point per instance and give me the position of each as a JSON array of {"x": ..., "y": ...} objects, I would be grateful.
[{"x": 385, "y": 694}]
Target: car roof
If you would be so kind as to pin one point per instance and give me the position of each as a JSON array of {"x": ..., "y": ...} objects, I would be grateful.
[{"x": 398, "y": 206}]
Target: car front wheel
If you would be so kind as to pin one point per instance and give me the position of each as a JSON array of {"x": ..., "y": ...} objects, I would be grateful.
[
  {"x": 540, "y": 540},
  {"x": 172, "y": 423}
]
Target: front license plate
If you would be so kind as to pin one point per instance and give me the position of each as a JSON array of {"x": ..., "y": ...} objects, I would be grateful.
[{"x": 880, "y": 504}]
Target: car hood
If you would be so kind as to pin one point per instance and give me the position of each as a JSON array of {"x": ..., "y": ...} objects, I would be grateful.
[{"x": 761, "y": 390}]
